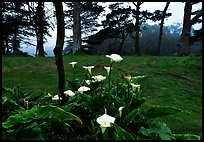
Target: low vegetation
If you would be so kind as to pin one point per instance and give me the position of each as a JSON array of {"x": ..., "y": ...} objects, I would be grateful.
[{"x": 171, "y": 81}]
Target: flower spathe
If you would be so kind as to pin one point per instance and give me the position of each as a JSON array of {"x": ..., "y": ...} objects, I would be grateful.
[
  {"x": 120, "y": 108},
  {"x": 83, "y": 89},
  {"x": 99, "y": 78},
  {"x": 73, "y": 64},
  {"x": 56, "y": 97},
  {"x": 105, "y": 120},
  {"x": 107, "y": 69},
  {"x": 115, "y": 57},
  {"x": 69, "y": 93},
  {"x": 88, "y": 68},
  {"x": 134, "y": 86}
]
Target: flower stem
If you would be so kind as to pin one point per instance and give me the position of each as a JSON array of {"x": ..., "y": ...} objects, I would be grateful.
[{"x": 109, "y": 81}]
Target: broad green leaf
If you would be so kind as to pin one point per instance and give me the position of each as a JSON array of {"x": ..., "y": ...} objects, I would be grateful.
[
  {"x": 5, "y": 89},
  {"x": 24, "y": 117},
  {"x": 157, "y": 131},
  {"x": 40, "y": 112},
  {"x": 158, "y": 111},
  {"x": 161, "y": 128},
  {"x": 137, "y": 102},
  {"x": 122, "y": 134},
  {"x": 50, "y": 111},
  {"x": 117, "y": 101},
  {"x": 130, "y": 117},
  {"x": 186, "y": 137},
  {"x": 10, "y": 104},
  {"x": 68, "y": 107}
]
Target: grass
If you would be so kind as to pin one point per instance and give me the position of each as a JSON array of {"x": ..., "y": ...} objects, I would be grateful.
[{"x": 172, "y": 81}]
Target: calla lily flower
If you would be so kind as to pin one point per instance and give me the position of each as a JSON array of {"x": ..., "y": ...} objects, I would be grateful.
[
  {"x": 73, "y": 64},
  {"x": 69, "y": 93},
  {"x": 88, "y": 68},
  {"x": 99, "y": 78},
  {"x": 83, "y": 89},
  {"x": 120, "y": 110},
  {"x": 107, "y": 69},
  {"x": 135, "y": 86},
  {"x": 115, "y": 57},
  {"x": 56, "y": 97},
  {"x": 105, "y": 120}
]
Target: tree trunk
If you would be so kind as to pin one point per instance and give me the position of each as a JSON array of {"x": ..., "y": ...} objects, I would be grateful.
[
  {"x": 76, "y": 28},
  {"x": 184, "y": 43},
  {"x": 58, "y": 49},
  {"x": 137, "y": 28},
  {"x": 121, "y": 43},
  {"x": 15, "y": 42},
  {"x": 161, "y": 28},
  {"x": 40, "y": 28}
]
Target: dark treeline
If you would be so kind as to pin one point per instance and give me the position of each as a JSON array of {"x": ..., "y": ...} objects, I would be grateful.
[{"x": 124, "y": 30}]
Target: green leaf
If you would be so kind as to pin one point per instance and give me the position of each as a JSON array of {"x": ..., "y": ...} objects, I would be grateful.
[
  {"x": 10, "y": 104},
  {"x": 122, "y": 134},
  {"x": 24, "y": 117},
  {"x": 130, "y": 117},
  {"x": 161, "y": 128},
  {"x": 4, "y": 89},
  {"x": 158, "y": 111},
  {"x": 157, "y": 131},
  {"x": 117, "y": 101},
  {"x": 40, "y": 113},
  {"x": 138, "y": 79},
  {"x": 68, "y": 107},
  {"x": 186, "y": 137}
]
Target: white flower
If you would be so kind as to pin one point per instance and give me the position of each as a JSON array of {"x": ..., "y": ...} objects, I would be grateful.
[
  {"x": 73, "y": 63},
  {"x": 56, "y": 97},
  {"x": 134, "y": 86},
  {"x": 115, "y": 57},
  {"x": 49, "y": 94},
  {"x": 107, "y": 69},
  {"x": 83, "y": 88},
  {"x": 120, "y": 108},
  {"x": 88, "y": 82},
  {"x": 88, "y": 68},
  {"x": 99, "y": 78},
  {"x": 105, "y": 120},
  {"x": 69, "y": 92}
]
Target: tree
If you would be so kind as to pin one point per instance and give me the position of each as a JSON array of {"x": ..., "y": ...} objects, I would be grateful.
[
  {"x": 140, "y": 17},
  {"x": 184, "y": 43},
  {"x": 137, "y": 27},
  {"x": 76, "y": 28},
  {"x": 40, "y": 24},
  {"x": 161, "y": 28},
  {"x": 120, "y": 24},
  {"x": 58, "y": 49},
  {"x": 89, "y": 12}
]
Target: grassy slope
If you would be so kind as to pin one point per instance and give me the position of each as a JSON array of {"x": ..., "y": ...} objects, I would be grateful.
[{"x": 173, "y": 81}]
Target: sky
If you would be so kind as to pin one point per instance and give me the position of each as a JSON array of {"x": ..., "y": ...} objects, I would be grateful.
[{"x": 176, "y": 8}]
